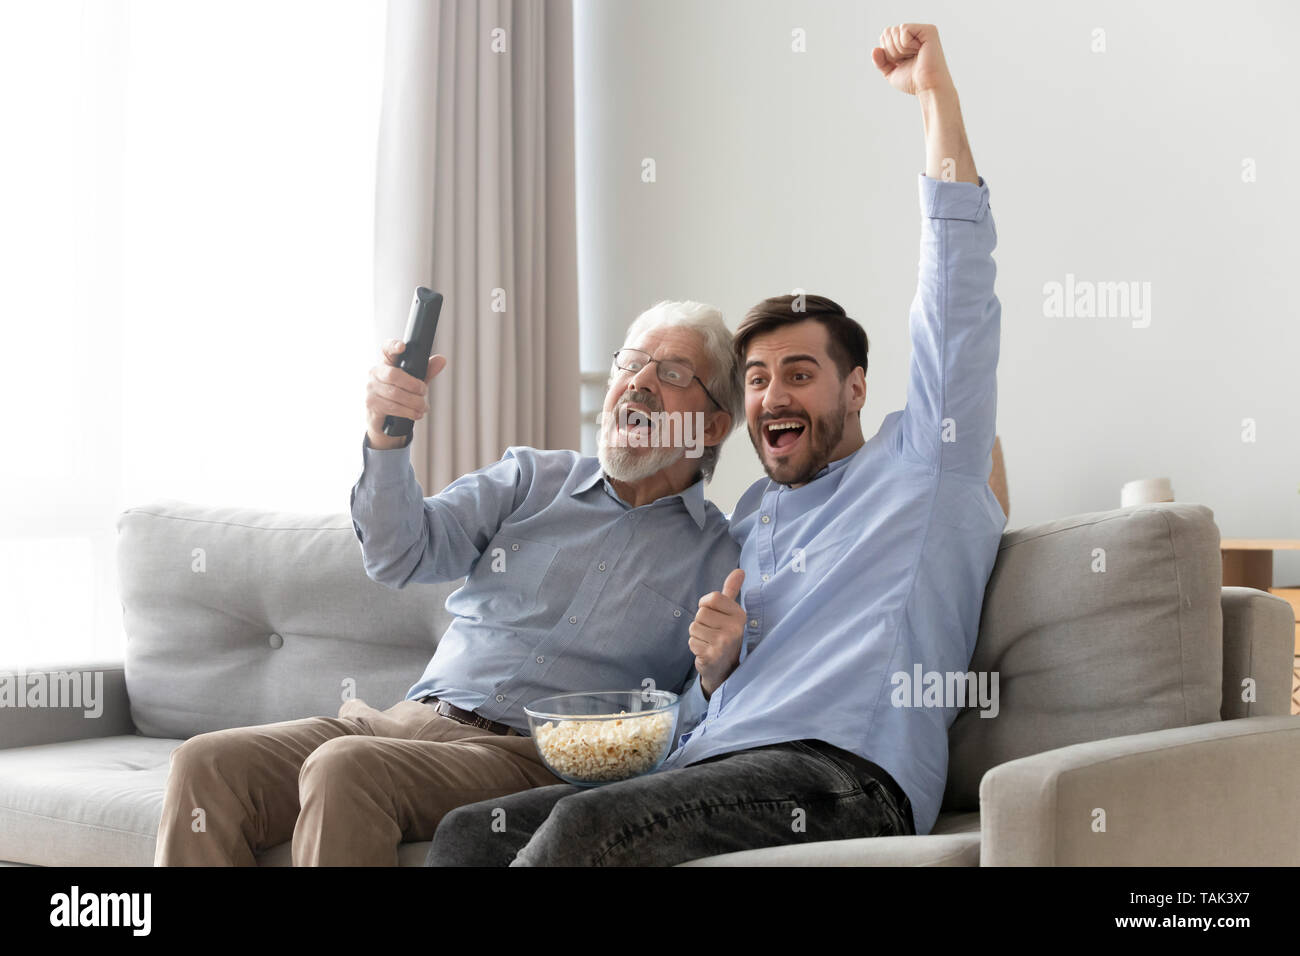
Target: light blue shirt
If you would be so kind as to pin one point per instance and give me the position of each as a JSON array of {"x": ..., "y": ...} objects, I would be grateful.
[
  {"x": 879, "y": 564},
  {"x": 569, "y": 588}
]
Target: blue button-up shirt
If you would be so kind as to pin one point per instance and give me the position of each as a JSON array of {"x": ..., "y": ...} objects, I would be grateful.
[
  {"x": 569, "y": 588},
  {"x": 878, "y": 565}
]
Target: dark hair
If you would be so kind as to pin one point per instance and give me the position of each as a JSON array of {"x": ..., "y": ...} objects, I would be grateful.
[{"x": 848, "y": 340}]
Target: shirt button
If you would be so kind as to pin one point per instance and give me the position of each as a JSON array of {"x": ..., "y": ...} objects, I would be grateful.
[
  {"x": 515, "y": 547},
  {"x": 573, "y": 620},
  {"x": 601, "y": 566},
  {"x": 541, "y": 660},
  {"x": 766, "y": 576},
  {"x": 766, "y": 519},
  {"x": 753, "y": 623},
  {"x": 500, "y": 697},
  {"x": 676, "y": 613}
]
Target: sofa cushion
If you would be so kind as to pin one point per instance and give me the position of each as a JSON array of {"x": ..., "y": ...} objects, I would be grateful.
[
  {"x": 408, "y": 854},
  {"x": 97, "y": 803},
  {"x": 90, "y": 802},
  {"x": 1083, "y": 653},
  {"x": 238, "y": 617},
  {"x": 950, "y": 849}
]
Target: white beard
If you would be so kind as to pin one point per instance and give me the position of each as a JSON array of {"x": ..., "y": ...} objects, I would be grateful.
[{"x": 632, "y": 464}]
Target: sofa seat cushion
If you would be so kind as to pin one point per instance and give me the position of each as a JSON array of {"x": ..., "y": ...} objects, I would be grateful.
[
  {"x": 408, "y": 854},
  {"x": 954, "y": 841},
  {"x": 84, "y": 802}
]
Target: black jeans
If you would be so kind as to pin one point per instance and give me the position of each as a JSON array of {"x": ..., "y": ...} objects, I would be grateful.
[{"x": 801, "y": 791}]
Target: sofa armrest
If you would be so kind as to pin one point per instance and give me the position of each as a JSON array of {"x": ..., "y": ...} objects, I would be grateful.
[
  {"x": 47, "y": 705},
  {"x": 1259, "y": 643},
  {"x": 1216, "y": 794}
]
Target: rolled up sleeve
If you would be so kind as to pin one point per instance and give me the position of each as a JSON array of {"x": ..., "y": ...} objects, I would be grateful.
[
  {"x": 955, "y": 324},
  {"x": 407, "y": 537}
]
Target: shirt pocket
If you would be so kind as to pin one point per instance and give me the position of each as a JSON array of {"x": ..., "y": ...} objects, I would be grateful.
[
  {"x": 507, "y": 580},
  {"x": 655, "y": 630}
]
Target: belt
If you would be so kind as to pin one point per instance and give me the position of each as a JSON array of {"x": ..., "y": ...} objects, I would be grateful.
[{"x": 468, "y": 717}]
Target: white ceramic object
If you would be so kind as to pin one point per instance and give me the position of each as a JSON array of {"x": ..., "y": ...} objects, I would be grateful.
[{"x": 1145, "y": 491}]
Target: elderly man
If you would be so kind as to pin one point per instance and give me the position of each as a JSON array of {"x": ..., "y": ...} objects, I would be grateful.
[
  {"x": 583, "y": 574},
  {"x": 863, "y": 562}
]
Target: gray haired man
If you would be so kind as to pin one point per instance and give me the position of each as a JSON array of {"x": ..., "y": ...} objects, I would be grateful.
[{"x": 569, "y": 588}]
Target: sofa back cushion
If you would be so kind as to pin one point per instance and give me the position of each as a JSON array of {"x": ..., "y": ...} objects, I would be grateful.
[
  {"x": 1083, "y": 653},
  {"x": 237, "y": 617}
]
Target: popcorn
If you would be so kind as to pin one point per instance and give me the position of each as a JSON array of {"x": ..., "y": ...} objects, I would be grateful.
[{"x": 604, "y": 750}]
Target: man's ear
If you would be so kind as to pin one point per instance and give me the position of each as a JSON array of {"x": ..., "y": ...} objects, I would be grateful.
[
  {"x": 856, "y": 385},
  {"x": 717, "y": 426}
]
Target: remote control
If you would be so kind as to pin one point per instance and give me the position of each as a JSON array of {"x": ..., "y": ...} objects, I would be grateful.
[{"x": 420, "y": 327}]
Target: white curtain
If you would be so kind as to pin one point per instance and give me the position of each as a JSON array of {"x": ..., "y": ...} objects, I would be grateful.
[
  {"x": 475, "y": 199},
  {"x": 186, "y": 212}
]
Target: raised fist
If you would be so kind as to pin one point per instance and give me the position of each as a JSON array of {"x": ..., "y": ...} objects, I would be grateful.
[{"x": 911, "y": 58}]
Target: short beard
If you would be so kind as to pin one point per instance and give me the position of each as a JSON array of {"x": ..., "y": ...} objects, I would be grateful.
[
  {"x": 631, "y": 466},
  {"x": 627, "y": 464},
  {"x": 824, "y": 435}
]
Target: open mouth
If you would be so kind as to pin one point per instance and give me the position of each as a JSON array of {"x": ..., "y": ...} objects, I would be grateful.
[
  {"x": 637, "y": 419},
  {"x": 782, "y": 435}
]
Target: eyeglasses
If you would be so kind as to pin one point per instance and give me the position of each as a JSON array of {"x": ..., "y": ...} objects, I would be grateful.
[{"x": 670, "y": 371}]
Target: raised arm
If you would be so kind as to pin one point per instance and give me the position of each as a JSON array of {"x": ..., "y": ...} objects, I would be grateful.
[
  {"x": 912, "y": 60},
  {"x": 950, "y": 418},
  {"x": 405, "y": 536}
]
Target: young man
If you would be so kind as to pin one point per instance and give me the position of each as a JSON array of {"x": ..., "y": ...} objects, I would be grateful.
[
  {"x": 582, "y": 574},
  {"x": 861, "y": 561}
]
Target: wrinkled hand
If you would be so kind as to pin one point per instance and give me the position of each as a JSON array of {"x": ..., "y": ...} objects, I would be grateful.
[
  {"x": 395, "y": 391},
  {"x": 911, "y": 58},
  {"x": 716, "y": 633}
]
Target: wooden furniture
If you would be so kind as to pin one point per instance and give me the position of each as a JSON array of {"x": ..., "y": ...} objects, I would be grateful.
[
  {"x": 998, "y": 477},
  {"x": 1248, "y": 563}
]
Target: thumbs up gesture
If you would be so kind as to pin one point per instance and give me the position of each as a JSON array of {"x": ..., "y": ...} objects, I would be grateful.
[{"x": 716, "y": 633}]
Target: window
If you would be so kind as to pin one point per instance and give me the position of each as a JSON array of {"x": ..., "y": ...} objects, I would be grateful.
[{"x": 186, "y": 245}]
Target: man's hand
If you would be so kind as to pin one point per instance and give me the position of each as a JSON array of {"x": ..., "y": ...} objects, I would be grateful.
[
  {"x": 911, "y": 58},
  {"x": 395, "y": 391},
  {"x": 716, "y": 633}
]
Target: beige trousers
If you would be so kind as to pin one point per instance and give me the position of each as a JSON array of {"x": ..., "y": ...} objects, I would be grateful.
[{"x": 347, "y": 790}]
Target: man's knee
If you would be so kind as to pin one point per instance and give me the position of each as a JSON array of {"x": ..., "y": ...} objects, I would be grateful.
[
  {"x": 461, "y": 837},
  {"x": 571, "y": 834},
  {"x": 206, "y": 756},
  {"x": 338, "y": 762}
]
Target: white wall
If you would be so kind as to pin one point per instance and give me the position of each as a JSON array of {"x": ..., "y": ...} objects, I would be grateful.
[{"x": 778, "y": 170}]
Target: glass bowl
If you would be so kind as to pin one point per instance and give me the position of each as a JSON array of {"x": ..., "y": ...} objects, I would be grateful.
[{"x": 603, "y": 736}]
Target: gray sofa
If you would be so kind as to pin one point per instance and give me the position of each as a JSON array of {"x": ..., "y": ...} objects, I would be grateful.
[{"x": 1143, "y": 709}]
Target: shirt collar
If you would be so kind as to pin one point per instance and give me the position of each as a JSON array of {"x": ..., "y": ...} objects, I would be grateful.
[
  {"x": 591, "y": 481},
  {"x": 692, "y": 497},
  {"x": 837, "y": 464}
]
